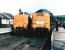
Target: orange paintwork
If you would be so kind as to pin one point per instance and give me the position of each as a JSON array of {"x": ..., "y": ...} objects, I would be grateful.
[
  {"x": 44, "y": 19},
  {"x": 20, "y": 21}
]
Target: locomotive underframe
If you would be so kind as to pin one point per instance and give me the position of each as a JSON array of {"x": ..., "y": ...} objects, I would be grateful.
[{"x": 39, "y": 32}]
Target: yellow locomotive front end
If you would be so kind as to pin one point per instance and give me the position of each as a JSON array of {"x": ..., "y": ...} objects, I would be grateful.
[
  {"x": 41, "y": 20},
  {"x": 20, "y": 21},
  {"x": 40, "y": 23},
  {"x": 21, "y": 24}
]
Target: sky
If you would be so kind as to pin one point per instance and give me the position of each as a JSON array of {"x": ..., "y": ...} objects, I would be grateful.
[{"x": 57, "y": 7}]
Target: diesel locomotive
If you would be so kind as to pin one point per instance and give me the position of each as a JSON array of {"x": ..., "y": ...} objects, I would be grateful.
[
  {"x": 21, "y": 23},
  {"x": 40, "y": 23}
]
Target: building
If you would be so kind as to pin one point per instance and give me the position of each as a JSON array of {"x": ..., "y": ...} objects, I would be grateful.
[{"x": 6, "y": 20}]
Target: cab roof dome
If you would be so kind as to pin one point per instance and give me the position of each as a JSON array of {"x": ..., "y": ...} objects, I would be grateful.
[{"x": 43, "y": 10}]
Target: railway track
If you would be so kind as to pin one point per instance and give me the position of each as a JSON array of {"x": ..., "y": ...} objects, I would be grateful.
[
  {"x": 22, "y": 43},
  {"x": 3, "y": 35},
  {"x": 31, "y": 44}
]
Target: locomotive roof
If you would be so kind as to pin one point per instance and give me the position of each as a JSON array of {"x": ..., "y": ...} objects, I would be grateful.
[
  {"x": 44, "y": 11},
  {"x": 26, "y": 13}
]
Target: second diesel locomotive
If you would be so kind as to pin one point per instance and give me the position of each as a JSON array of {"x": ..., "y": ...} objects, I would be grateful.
[
  {"x": 40, "y": 23},
  {"x": 21, "y": 24}
]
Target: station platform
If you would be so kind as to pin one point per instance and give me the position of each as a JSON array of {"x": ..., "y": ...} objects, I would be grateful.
[
  {"x": 58, "y": 39},
  {"x": 4, "y": 30}
]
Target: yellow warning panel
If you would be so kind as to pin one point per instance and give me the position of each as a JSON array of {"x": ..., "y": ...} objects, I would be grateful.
[
  {"x": 41, "y": 20},
  {"x": 20, "y": 21}
]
